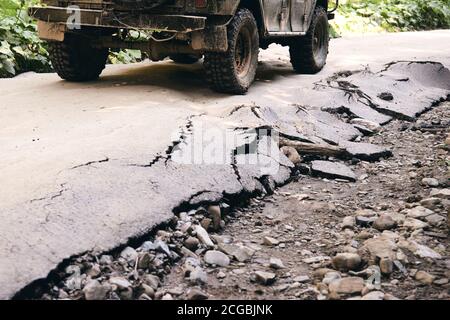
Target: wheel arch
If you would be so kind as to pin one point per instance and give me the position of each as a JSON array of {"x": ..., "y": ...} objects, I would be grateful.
[{"x": 257, "y": 10}]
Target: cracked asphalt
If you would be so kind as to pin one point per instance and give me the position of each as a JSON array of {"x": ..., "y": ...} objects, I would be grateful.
[{"x": 88, "y": 166}]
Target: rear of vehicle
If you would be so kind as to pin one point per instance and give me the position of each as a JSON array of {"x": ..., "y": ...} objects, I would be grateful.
[{"x": 227, "y": 33}]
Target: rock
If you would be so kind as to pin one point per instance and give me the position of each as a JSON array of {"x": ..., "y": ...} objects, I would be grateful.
[
  {"x": 221, "y": 275},
  {"x": 421, "y": 250},
  {"x": 276, "y": 263},
  {"x": 321, "y": 272},
  {"x": 424, "y": 277},
  {"x": 431, "y": 182},
  {"x": 148, "y": 290},
  {"x": 384, "y": 222},
  {"x": 332, "y": 170},
  {"x": 129, "y": 254},
  {"x": 388, "y": 296},
  {"x": 386, "y": 266},
  {"x": 144, "y": 260},
  {"x": 301, "y": 279},
  {"x": 190, "y": 264},
  {"x": 414, "y": 224},
  {"x": 366, "y": 151},
  {"x": 175, "y": 291},
  {"x": 198, "y": 276},
  {"x": 346, "y": 261},
  {"x": 292, "y": 154},
  {"x": 94, "y": 290},
  {"x": 366, "y": 213},
  {"x": 348, "y": 222},
  {"x": 162, "y": 247},
  {"x": 390, "y": 235},
  {"x": 330, "y": 277},
  {"x": 441, "y": 193},
  {"x": 74, "y": 281},
  {"x": 264, "y": 278},
  {"x": 377, "y": 248},
  {"x": 203, "y": 236},
  {"x": 216, "y": 216},
  {"x": 239, "y": 252},
  {"x": 372, "y": 126},
  {"x": 315, "y": 259},
  {"x": 431, "y": 203},
  {"x": 447, "y": 140},
  {"x": 345, "y": 286},
  {"x": 441, "y": 282},
  {"x": 216, "y": 258},
  {"x": 167, "y": 296},
  {"x": 144, "y": 297},
  {"x": 397, "y": 217},
  {"x": 94, "y": 271},
  {"x": 435, "y": 220},
  {"x": 196, "y": 294},
  {"x": 418, "y": 212},
  {"x": 152, "y": 281},
  {"x": 374, "y": 295},
  {"x": 191, "y": 243},
  {"x": 364, "y": 222},
  {"x": 148, "y": 246},
  {"x": 120, "y": 282},
  {"x": 269, "y": 241},
  {"x": 206, "y": 223},
  {"x": 106, "y": 259},
  {"x": 126, "y": 294}
]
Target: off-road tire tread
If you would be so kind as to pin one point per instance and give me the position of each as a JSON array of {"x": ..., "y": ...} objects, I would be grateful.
[
  {"x": 301, "y": 51},
  {"x": 219, "y": 66},
  {"x": 74, "y": 59}
]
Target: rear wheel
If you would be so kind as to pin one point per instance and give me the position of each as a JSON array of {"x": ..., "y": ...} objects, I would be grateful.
[
  {"x": 184, "y": 58},
  {"x": 75, "y": 59},
  {"x": 234, "y": 71},
  {"x": 309, "y": 53}
]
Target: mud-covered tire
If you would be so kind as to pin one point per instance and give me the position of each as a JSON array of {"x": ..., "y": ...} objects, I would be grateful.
[
  {"x": 184, "y": 58},
  {"x": 234, "y": 71},
  {"x": 75, "y": 59},
  {"x": 309, "y": 53}
]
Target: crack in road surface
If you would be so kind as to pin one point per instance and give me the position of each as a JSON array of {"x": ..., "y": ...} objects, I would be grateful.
[{"x": 114, "y": 203}]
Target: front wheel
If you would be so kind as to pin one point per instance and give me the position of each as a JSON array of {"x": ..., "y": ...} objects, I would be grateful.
[
  {"x": 234, "y": 70},
  {"x": 75, "y": 59},
  {"x": 309, "y": 53}
]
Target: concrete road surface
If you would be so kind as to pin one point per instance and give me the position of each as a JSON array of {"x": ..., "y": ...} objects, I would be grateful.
[{"x": 80, "y": 164}]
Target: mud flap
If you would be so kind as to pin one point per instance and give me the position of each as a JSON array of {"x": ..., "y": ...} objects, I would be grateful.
[
  {"x": 51, "y": 31},
  {"x": 213, "y": 38}
]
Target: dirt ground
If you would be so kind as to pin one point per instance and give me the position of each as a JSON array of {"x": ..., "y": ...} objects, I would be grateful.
[
  {"x": 384, "y": 236},
  {"x": 305, "y": 217}
]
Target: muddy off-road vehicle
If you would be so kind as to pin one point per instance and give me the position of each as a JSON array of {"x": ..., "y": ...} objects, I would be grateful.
[{"x": 227, "y": 33}]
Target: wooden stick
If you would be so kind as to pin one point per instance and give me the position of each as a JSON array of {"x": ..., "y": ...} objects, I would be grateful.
[{"x": 312, "y": 148}]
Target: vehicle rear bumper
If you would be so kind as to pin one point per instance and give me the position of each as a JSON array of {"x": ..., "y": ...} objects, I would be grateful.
[{"x": 75, "y": 18}]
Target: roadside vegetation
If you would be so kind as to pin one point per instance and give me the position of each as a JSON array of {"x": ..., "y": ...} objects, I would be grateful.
[{"x": 21, "y": 50}]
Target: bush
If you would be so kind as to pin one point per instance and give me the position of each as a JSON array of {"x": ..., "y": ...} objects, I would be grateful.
[
  {"x": 20, "y": 48},
  {"x": 392, "y": 15}
]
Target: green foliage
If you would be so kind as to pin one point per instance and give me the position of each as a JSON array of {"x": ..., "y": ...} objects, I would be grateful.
[
  {"x": 392, "y": 15},
  {"x": 20, "y": 48},
  {"x": 124, "y": 56}
]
